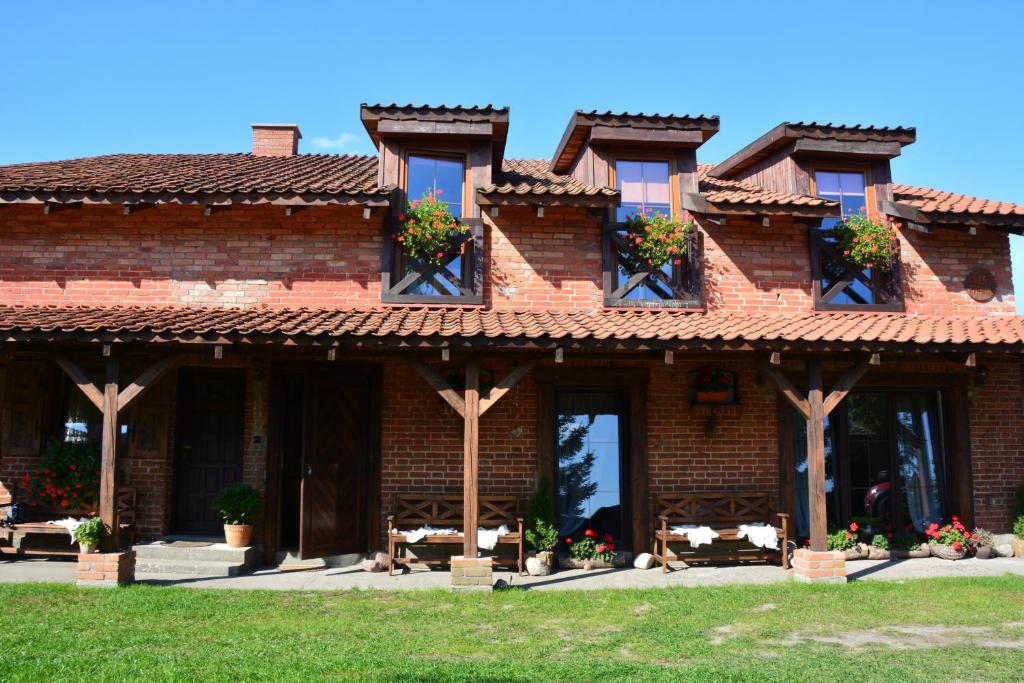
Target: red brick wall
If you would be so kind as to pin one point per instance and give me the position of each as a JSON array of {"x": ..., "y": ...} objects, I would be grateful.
[
  {"x": 170, "y": 255},
  {"x": 997, "y": 442},
  {"x": 329, "y": 257}
]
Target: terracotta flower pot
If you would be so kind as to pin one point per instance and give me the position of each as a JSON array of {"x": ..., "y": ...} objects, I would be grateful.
[
  {"x": 984, "y": 552},
  {"x": 238, "y": 535}
]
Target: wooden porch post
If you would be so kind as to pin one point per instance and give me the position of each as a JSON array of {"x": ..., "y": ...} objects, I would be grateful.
[
  {"x": 108, "y": 461},
  {"x": 816, "y": 456},
  {"x": 471, "y": 458},
  {"x": 814, "y": 408}
]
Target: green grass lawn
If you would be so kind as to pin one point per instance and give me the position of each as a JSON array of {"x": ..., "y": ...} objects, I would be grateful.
[{"x": 940, "y": 629}]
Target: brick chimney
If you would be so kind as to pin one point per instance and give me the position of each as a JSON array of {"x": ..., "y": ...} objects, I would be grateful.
[{"x": 275, "y": 139}]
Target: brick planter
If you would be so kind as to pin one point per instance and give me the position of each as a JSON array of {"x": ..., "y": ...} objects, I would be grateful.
[
  {"x": 106, "y": 569},
  {"x": 472, "y": 574},
  {"x": 819, "y": 566}
]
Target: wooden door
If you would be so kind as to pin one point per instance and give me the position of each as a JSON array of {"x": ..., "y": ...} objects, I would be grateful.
[
  {"x": 208, "y": 445},
  {"x": 337, "y": 459}
]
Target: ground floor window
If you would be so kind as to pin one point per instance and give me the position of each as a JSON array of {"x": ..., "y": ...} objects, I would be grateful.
[
  {"x": 885, "y": 463},
  {"x": 589, "y": 456}
]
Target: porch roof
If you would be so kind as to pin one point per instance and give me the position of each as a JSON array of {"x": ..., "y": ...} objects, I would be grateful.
[{"x": 617, "y": 329}]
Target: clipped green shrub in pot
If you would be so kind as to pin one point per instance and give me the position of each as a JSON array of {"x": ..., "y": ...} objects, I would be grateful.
[
  {"x": 88, "y": 535},
  {"x": 239, "y": 507},
  {"x": 541, "y": 533}
]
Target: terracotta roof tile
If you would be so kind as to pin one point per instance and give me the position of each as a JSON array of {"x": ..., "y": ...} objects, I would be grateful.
[
  {"x": 198, "y": 174},
  {"x": 937, "y": 201},
  {"x": 534, "y": 177},
  {"x": 616, "y": 325},
  {"x": 724, "y": 191}
]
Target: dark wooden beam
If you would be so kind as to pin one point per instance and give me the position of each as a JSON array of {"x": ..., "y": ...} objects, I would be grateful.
[
  {"x": 848, "y": 381},
  {"x": 786, "y": 388},
  {"x": 439, "y": 385},
  {"x": 506, "y": 384},
  {"x": 471, "y": 459},
  {"x": 91, "y": 391},
  {"x": 478, "y": 129},
  {"x": 816, "y": 457},
  {"x": 865, "y": 149},
  {"x": 662, "y": 137},
  {"x": 145, "y": 381},
  {"x": 108, "y": 458}
]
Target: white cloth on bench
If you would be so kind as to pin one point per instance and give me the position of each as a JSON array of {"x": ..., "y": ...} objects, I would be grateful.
[
  {"x": 417, "y": 535},
  {"x": 761, "y": 535},
  {"x": 696, "y": 535},
  {"x": 486, "y": 539},
  {"x": 69, "y": 523}
]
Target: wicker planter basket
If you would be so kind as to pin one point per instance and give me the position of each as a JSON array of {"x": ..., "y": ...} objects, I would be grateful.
[
  {"x": 946, "y": 552},
  {"x": 618, "y": 561}
]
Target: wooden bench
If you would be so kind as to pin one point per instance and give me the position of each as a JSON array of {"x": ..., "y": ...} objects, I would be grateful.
[
  {"x": 34, "y": 523},
  {"x": 723, "y": 512},
  {"x": 442, "y": 512}
]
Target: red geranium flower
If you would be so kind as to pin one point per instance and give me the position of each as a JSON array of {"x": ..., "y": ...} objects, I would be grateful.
[
  {"x": 568, "y": 540},
  {"x": 853, "y": 526},
  {"x": 601, "y": 548},
  {"x": 608, "y": 538},
  {"x": 957, "y": 545},
  {"x": 591, "y": 533}
]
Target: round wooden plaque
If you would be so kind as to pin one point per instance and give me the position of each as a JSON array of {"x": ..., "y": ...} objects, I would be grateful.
[{"x": 980, "y": 285}]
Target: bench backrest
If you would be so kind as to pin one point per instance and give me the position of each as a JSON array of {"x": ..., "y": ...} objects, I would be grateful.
[
  {"x": 713, "y": 508},
  {"x": 127, "y": 497},
  {"x": 446, "y": 511}
]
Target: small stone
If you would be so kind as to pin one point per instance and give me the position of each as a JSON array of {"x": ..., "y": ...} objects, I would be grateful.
[
  {"x": 535, "y": 567},
  {"x": 644, "y": 561},
  {"x": 1004, "y": 550}
]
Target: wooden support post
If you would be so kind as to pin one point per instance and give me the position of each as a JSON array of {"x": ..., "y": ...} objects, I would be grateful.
[
  {"x": 471, "y": 448},
  {"x": 108, "y": 457},
  {"x": 816, "y": 456}
]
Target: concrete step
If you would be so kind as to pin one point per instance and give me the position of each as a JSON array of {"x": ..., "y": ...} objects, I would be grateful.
[
  {"x": 206, "y": 568},
  {"x": 218, "y": 552}
]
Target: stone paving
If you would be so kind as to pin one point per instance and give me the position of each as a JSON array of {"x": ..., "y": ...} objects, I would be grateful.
[{"x": 19, "y": 571}]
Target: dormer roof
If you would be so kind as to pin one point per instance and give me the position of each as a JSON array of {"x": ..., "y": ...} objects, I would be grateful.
[
  {"x": 661, "y": 130},
  {"x": 456, "y": 122},
  {"x": 866, "y": 142}
]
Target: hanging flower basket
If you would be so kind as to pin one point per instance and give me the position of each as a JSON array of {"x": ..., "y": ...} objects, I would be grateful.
[
  {"x": 428, "y": 228},
  {"x": 868, "y": 243},
  {"x": 657, "y": 238}
]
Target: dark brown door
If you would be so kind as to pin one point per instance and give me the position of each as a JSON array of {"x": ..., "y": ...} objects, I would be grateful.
[
  {"x": 208, "y": 445},
  {"x": 337, "y": 459}
]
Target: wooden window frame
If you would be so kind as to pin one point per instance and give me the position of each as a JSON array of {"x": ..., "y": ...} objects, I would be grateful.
[
  {"x": 687, "y": 278},
  {"x": 394, "y": 283},
  {"x": 886, "y": 286}
]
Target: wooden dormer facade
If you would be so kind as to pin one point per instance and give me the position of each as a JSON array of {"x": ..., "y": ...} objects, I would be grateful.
[{"x": 421, "y": 149}]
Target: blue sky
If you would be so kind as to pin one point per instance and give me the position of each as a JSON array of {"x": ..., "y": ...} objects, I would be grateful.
[{"x": 94, "y": 78}]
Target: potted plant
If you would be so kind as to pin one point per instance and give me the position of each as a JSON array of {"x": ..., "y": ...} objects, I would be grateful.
[
  {"x": 657, "y": 238},
  {"x": 238, "y": 506},
  {"x": 711, "y": 385},
  {"x": 846, "y": 541},
  {"x": 67, "y": 477},
  {"x": 541, "y": 533},
  {"x": 880, "y": 548},
  {"x": 907, "y": 545},
  {"x": 1018, "y": 537},
  {"x": 591, "y": 550},
  {"x": 949, "y": 541},
  {"x": 427, "y": 228},
  {"x": 88, "y": 535},
  {"x": 868, "y": 243},
  {"x": 982, "y": 542}
]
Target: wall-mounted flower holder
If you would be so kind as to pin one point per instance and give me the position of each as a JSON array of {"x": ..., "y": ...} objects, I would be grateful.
[{"x": 713, "y": 387}]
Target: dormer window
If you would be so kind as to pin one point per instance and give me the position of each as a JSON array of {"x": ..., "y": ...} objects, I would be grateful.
[
  {"x": 447, "y": 152},
  {"x": 437, "y": 174},
  {"x": 840, "y": 284},
  {"x": 647, "y": 185},
  {"x": 644, "y": 185}
]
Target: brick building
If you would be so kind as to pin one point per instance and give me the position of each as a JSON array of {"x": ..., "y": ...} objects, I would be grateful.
[{"x": 264, "y": 324}]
